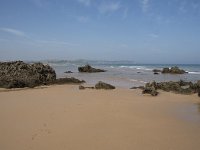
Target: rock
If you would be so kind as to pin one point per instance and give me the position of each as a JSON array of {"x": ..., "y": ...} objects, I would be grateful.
[
  {"x": 67, "y": 81},
  {"x": 81, "y": 87},
  {"x": 138, "y": 72},
  {"x": 18, "y": 74},
  {"x": 150, "y": 90},
  {"x": 102, "y": 85},
  {"x": 138, "y": 87},
  {"x": 156, "y": 73},
  {"x": 199, "y": 93},
  {"x": 156, "y": 70},
  {"x": 89, "y": 69},
  {"x": 173, "y": 70},
  {"x": 68, "y": 72}
]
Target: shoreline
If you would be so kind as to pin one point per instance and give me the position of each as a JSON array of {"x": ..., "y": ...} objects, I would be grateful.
[{"x": 64, "y": 117}]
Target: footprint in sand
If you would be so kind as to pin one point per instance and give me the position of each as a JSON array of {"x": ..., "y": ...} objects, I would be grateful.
[{"x": 42, "y": 132}]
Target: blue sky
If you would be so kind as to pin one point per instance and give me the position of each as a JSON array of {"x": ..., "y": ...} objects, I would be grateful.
[{"x": 144, "y": 31}]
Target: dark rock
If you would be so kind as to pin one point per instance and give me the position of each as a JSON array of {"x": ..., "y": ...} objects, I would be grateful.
[
  {"x": 67, "y": 81},
  {"x": 173, "y": 70},
  {"x": 156, "y": 70},
  {"x": 138, "y": 72},
  {"x": 199, "y": 93},
  {"x": 81, "y": 87},
  {"x": 138, "y": 87},
  {"x": 18, "y": 74},
  {"x": 150, "y": 90},
  {"x": 156, "y": 73},
  {"x": 68, "y": 72},
  {"x": 89, "y": 69},
  {"x": 102, "y": 85}
]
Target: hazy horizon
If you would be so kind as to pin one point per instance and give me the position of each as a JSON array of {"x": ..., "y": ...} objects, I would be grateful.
[{"x": 143, "y": 31}]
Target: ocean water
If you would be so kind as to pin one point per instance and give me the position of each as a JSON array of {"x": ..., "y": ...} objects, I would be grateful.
[{"x": 124, "y": 74}]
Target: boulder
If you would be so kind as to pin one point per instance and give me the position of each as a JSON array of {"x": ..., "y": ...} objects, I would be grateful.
[
  {"x": 18, "y": 74},
  {"x": 89, "y": 69},
  {"x": 173, "y": 70},
  {"x": 102, "y": 85},
  {"x": 156, "y": 73}
]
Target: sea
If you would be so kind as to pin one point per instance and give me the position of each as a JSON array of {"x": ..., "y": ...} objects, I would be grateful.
[{"x": 123, "y": 74}]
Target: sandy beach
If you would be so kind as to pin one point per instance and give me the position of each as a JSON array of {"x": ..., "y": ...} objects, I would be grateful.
[{"x": 66, "y": 118}]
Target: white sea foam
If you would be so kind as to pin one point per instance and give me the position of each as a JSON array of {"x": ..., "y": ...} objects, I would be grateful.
[{"x": 194, "y": 72}]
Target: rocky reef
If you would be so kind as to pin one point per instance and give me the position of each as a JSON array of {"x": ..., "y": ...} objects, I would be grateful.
[
  {"x": 89, "y": 69},
  {"x": 180, "y": 87},
  {"x": 18, "y": 74},
  {"x": 173, "y": 70}
]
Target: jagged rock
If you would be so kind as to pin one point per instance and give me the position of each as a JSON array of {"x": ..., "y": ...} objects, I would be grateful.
[
  {"x": 102, "y": 85},
  {"x": 89, "y": 69},
  {"x": 150, "y": 90},
  {"x": 67, "y": 80},
  {"x": 18, "y": 74},
  {"x": 173, "y": 70},
  {"x": 156, "y": 73},
  {"x": 199, "y": 93}
]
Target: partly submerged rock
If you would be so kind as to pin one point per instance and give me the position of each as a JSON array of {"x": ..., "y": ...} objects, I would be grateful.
[
  {"x": 89, "y": 69},
  {"x": 18, "y": 74},
  {"x": 68, "y": 72},
  {"x": 156, "y": 70},
  {"x": 102, "y": 85},
  {"x": 173, "y": 70}
]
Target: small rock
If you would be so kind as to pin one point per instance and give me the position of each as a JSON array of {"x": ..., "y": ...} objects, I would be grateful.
[
  {"x": 67, "y": 80},
  {"x": 173, "y": 70},
  {"x": 89, "y": 69},
  {"x": 81, "y": 87},
  {"x": 102, "y": 85},
  {"x": 68, "y": 72}
]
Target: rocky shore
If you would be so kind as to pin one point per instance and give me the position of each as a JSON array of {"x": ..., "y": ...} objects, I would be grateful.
[
  {"x": 18, "y": 74},
  {"x": 180, "y": 87}
]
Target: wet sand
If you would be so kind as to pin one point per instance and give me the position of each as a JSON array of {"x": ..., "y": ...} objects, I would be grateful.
[{"x": 65, "y": 118}]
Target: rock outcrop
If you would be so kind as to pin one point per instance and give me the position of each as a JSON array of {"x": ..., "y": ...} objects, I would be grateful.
[
  {"x": 89, "y": 69},
  {"x": 150, "y": 88},
  {"x": 180, "y": 87},
  {"x": 102, "y": 85},
  {"x": 18, "y": 74},
  {"x": 173, "y": 70}
]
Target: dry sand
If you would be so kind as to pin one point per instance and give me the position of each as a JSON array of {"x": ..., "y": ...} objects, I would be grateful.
[{"x": 65, "y": 118}]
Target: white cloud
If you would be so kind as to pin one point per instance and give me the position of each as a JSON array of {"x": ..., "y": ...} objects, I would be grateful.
[
  {"x": 14, "y": 32},
  {"x": 85, "y": 2},
  {"x": 109, "y": 7},
  {"x": 145, "y": 5}
]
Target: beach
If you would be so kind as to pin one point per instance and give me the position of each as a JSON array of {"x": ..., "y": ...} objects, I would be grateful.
[{"x": 65, "y": 118}]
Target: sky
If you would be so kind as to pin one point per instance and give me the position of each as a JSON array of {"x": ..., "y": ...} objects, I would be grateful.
[{"x": 143, "y": 31}]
